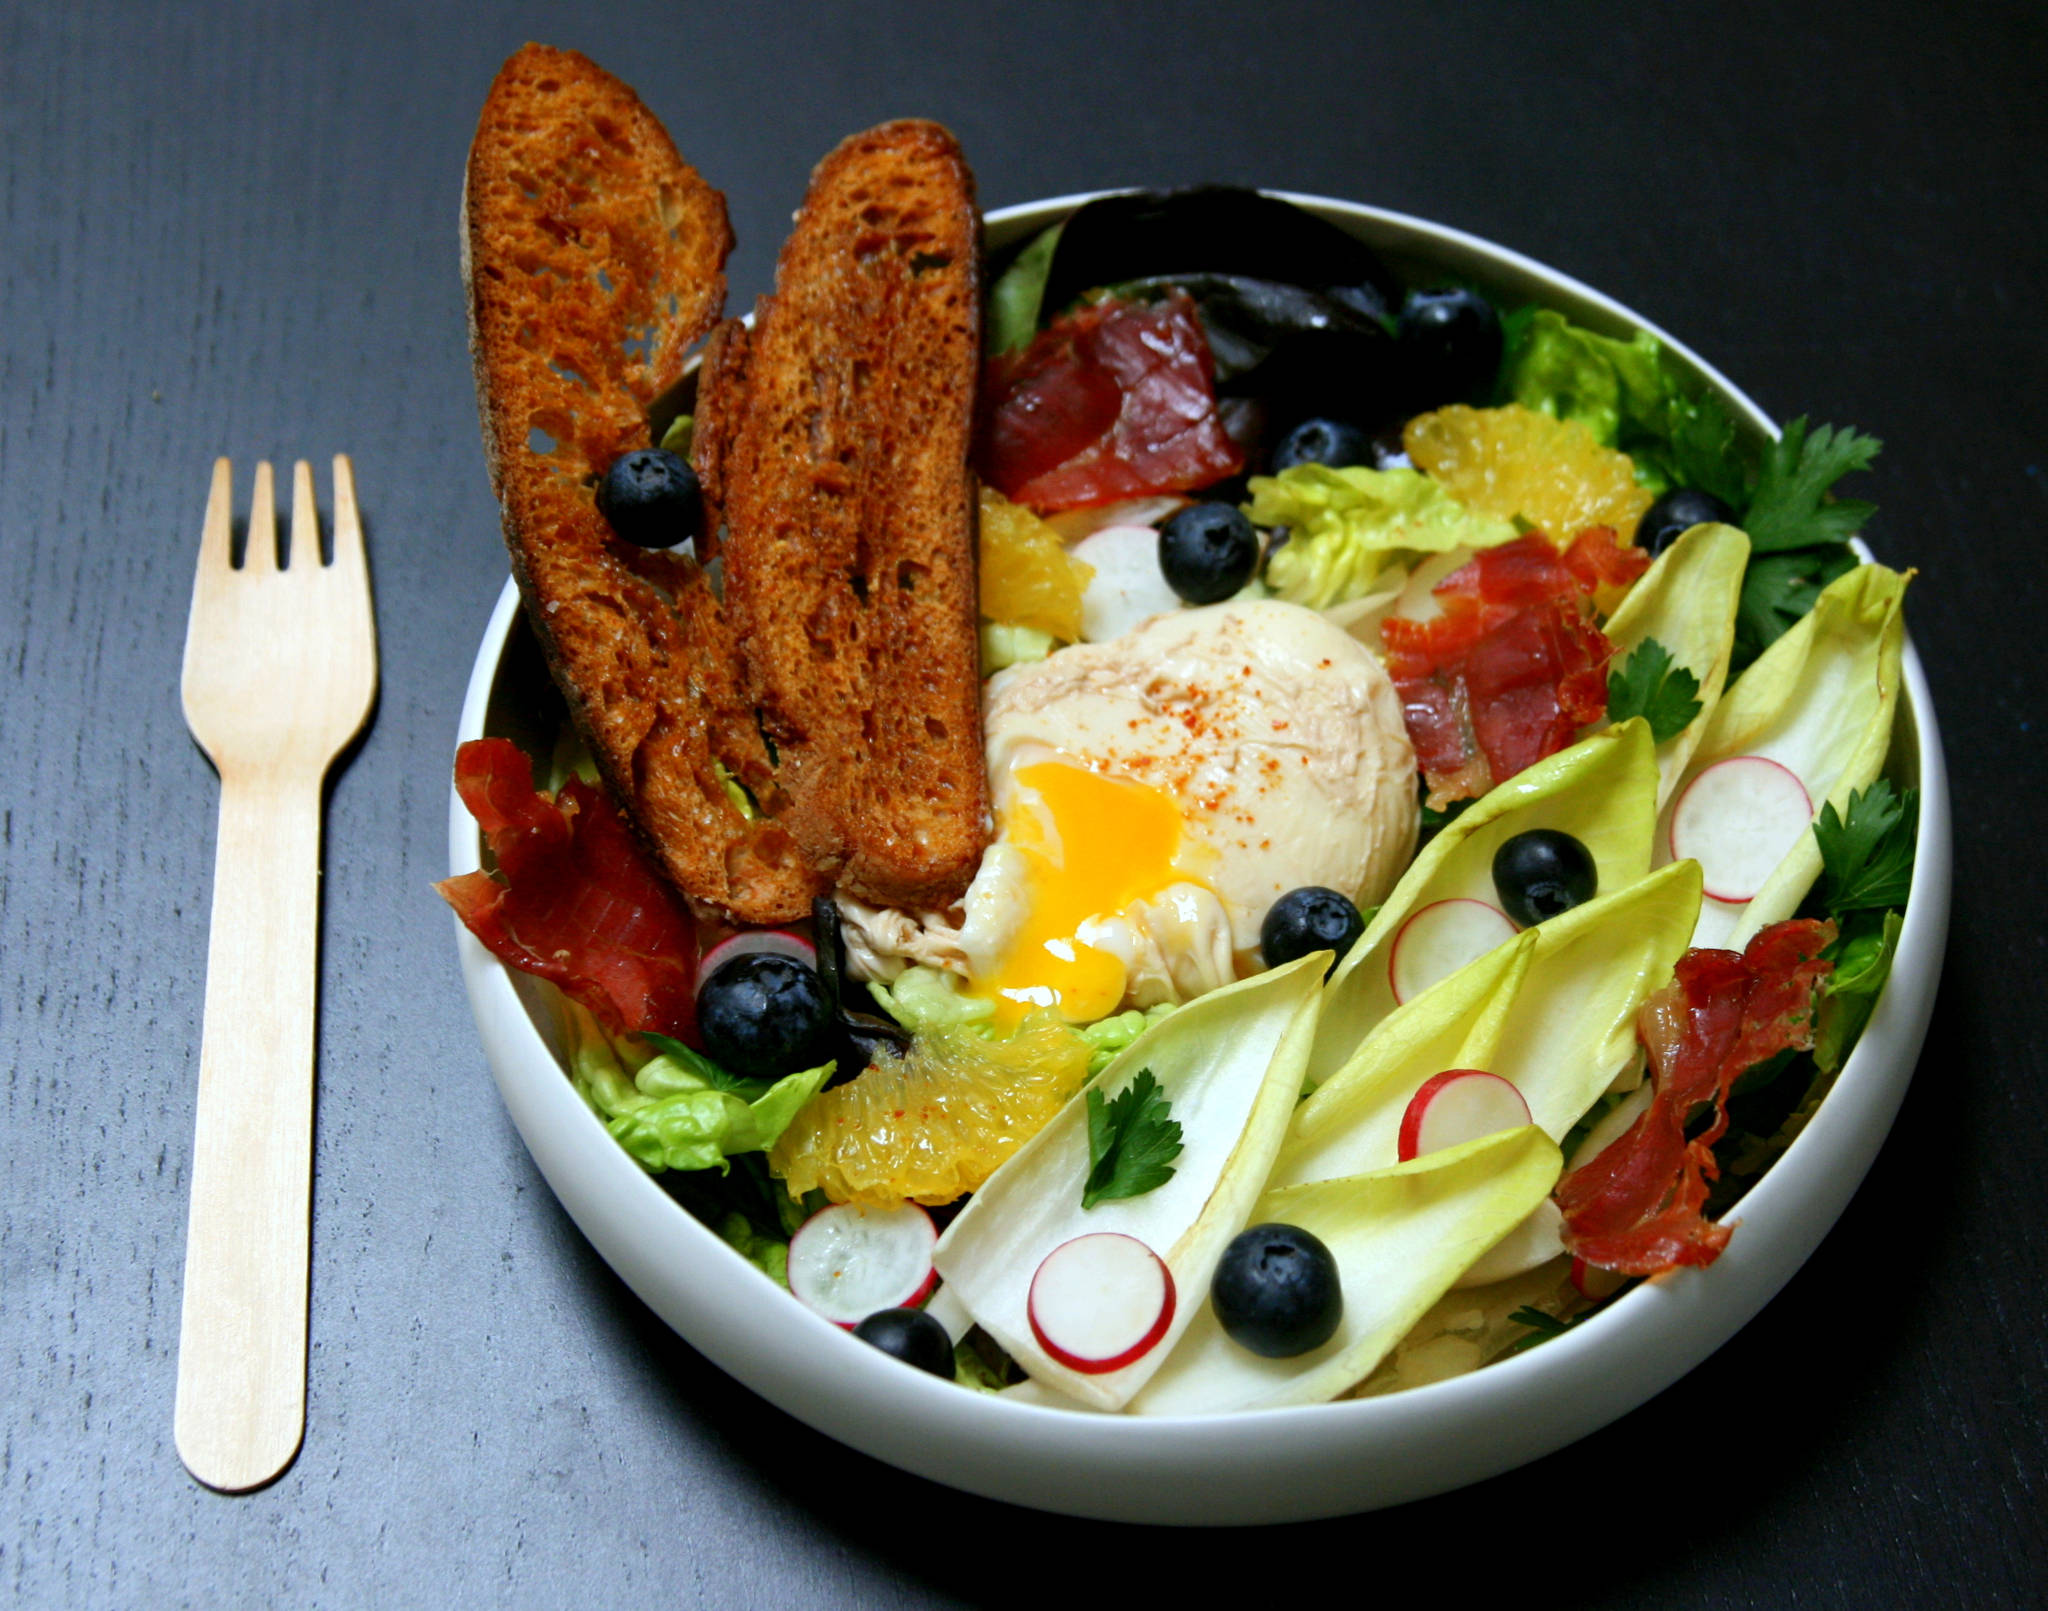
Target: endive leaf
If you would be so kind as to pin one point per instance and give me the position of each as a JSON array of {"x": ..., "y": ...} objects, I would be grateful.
[
  {"x": 1602, "y": 791},
  {"x": 1820, "y": 703},
  {"x": 1686, "y": 601},
  {"x": 1400, "y": 1236},
  {"x": 1230, "y": 1066},
  {"x": 1553, "y": 1013}
]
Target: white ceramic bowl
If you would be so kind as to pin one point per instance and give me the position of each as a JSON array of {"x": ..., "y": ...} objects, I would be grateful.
[{"x": 1264, "y": 1466}]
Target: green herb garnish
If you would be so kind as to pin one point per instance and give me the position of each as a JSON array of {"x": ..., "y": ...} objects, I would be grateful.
[
  {"x": 1791, "y": 508},
  {"x": 1867, "y": 858},
  {"x": 1652, "y": 686},
  {"x": 1131, "y": 1142}
]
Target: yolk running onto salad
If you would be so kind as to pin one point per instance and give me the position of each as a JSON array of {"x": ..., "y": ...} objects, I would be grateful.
[{"x": 1086, "y": 845}]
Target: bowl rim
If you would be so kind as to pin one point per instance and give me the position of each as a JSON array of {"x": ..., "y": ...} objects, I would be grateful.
[{"x": 1339, "y": 1457}]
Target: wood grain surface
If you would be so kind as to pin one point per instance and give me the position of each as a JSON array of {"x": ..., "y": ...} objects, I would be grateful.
[{"x": 231, "y": 229}]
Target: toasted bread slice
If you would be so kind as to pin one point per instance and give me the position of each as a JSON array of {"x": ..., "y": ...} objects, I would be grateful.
[
  {"x": 594, "y": 258},
  {"x": 833, "y": 439}
]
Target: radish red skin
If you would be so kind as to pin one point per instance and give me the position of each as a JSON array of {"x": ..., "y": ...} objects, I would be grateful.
[
  {"x": 1409, "y": 1144},
  {"x": 748, "y": 941},
  {"x": 1085, "y": 1364}
]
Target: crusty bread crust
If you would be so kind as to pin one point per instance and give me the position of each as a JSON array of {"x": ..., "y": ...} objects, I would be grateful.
[
  {"x": 833, "y": 441},
  {"x": 593, "y": 257}
]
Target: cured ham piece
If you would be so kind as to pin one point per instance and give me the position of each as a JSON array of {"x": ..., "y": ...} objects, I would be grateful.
[
  {"x": 580, "y": 903},
  {"x": 1114, "y": 401},
  {"x": 1514, "y": 666},
  {"x": 1635, "y": 1208}
]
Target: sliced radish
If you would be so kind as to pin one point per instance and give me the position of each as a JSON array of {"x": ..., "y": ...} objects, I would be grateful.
[
  {"x": 1128, "y": 586},
  {"x": 1100, "y": 1301},
  {"x": 1738, "y": 819},
  {"x": 1595, "y": 1283},
  {"x": 1457, "y": 1106},
  {"x": 1440, "y": 939},
  {"x": 777, "y": 942},
  {"x": 846, "y": 1261}
]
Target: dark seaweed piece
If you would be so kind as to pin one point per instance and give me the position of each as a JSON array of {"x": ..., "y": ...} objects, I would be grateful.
[
  {"x": 859, "y": 1038},
  {"x": 1212, "y": 229}
]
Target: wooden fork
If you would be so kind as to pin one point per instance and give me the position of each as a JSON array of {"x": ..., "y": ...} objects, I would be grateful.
[{"x": 280, "y": 673}]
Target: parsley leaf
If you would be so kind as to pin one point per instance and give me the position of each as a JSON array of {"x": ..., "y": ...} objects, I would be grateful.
[
  {"x": 1790, "y": 507},
  {"x": 1778, "y": 591},
  {"x": 1867, "y": 858},
  {"x": 1651, "y": 685},
  {"x": 1131, "y": 1142}
]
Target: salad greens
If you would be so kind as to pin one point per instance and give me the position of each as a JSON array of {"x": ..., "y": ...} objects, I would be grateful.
[
  {"x": 1685, "y": 604},
  {"x": 679, "y": 1110},
  {"x": 1345, "y": 526},
  {"x": 1819, "y": 701},
  {"x": 1230, "y": 1063},
  {"x": 1553, "y": 1012},
  {"x": 1401, "y": 1235},
  {"x": 1632, "y": 396},
  {"x": 1602, "y": 791}
]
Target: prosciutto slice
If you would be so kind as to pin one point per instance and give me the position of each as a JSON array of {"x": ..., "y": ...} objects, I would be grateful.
[
  {"x": 1111, "y": 402},
  {"x": 1635, "y": 1208},
  {"x": 1514, "y": 667},
  {"x": 579, "y": 902}
]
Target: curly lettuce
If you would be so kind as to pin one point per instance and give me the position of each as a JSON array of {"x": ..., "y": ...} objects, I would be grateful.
[
  {"x": 679, "y": 1110},
  {"x": 1345, "y": 525}
]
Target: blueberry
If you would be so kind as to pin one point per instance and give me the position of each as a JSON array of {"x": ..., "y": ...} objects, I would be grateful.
[
  {"x": 1309, "y": 919},
  {"x": 1208, "y": 552},
  {"x": 1541, "y": 873},
  {"x": 1678, "y": 511},
  {"x": 652, "y": 499},
  {"x": 1276, "y": 1291},
  {"x": 1335, "y": 443},
  {"x": 763, "y": 1015},
  {"x": 912, "y": 1336},
  {"x": 1449, "y": 344}
]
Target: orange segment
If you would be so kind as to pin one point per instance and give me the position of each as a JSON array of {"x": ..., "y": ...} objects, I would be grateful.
[
  {"x": 934, "y": 1125},
  {"x": 1514, "y": 461},
  {"x": 1027, "y": 579}
]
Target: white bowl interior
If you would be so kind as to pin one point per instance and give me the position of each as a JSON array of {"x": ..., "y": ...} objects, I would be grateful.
[{"x": 1264, "y": 1466}]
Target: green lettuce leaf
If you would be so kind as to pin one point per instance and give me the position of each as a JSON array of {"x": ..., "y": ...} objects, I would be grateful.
[
  {"x": 697, "y": 1128},
  {"x": 1108, "y": 1036},
  {"x": 1008, "y": 643},
  {"x": 1632, "y": 396},
  {"x": 1230, "y": 1064},
  {"x": 1862, "y": 964},
  {"x": 1820, "y": 703},
  {"x": 922, "y": 999},
  {"x": 1013, "y": 301},
  {"x": 680, "y": 1110},
  {"x": 1400, "y": 1237},
  {"x": 1344, "y": 524}
]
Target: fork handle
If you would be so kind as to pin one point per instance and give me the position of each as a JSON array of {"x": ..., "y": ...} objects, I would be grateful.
[{"x": 241, "y": 1409}]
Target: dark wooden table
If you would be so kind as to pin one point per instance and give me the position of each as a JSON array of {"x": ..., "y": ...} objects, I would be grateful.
[{"x": 231, "y": 229}]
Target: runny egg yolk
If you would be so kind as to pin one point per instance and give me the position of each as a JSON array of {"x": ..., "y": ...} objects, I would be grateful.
[{"x": 1090, "y": 846}]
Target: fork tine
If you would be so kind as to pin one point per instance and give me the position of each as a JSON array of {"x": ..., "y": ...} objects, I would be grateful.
[
  {"x": 305, "y": 549},
  {"x": 348, "y": 524},
  {"x": 260, "y": 552},
  {"x": 217, "y": 536}
]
